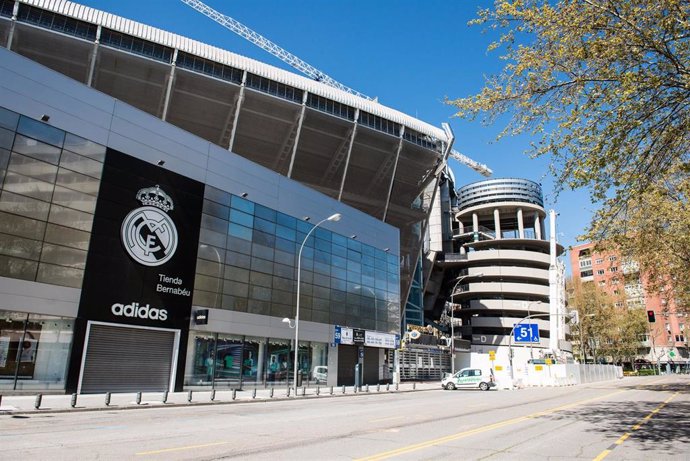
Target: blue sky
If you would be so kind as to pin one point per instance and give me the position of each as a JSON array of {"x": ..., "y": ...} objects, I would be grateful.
[{"x": 408, "y": 53}]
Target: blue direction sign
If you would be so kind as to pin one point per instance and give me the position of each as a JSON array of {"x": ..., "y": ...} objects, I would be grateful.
[{"x": 526, "y": 333}]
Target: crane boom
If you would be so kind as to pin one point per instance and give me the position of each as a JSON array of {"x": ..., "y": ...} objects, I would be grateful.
[
  {"x": 307, "y": 69},
  {"x": 476, "y": 166},
  {"x": 265, "y": 44}
]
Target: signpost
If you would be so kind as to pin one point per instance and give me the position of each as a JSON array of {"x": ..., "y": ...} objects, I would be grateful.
[{"x": 526, "y": 333}]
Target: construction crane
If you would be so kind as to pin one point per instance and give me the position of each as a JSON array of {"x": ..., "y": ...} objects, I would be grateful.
[
  {"x": 476, "y": 166},
  {"x": 267, "y": 45},
  {"x": 307, "y": 69}
]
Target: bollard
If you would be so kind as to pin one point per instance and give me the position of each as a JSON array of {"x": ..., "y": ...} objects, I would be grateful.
[
  {"x": 331, "y": 390},
  {"x": 367, "y": 388},
  {"x": 414, "y": 386},
  {"x": 396, "y": 386},
  {"x": 0, "y": 400},
  {"x": 271, "y": 393},
  {"x": 388, "y": 387},
  {"x": 304, "y": 391},
  {"x": 234, "y": 394},
  {"x": 355, "y": 389},
  {"x": 73, "y": 402},
  {"x": 343, "y": 389},
  {"x": 165, "y": 397},
  {"x": 254, "y": 393},
  {"x": 189, "y": 396},
  {"x": 318, "y": 390},
  {"x": 138, "y": 398},
  {"x": 213, "y": 395},
  {"x": 107, "y": 399},
  {"x": 288, "y": 392},
  {"x": 378, "y": 387},
  {"x": 37, "y": 403}
]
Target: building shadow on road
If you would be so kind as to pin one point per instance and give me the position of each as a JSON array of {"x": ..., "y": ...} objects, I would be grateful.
[{"x": 666, "y": 430}]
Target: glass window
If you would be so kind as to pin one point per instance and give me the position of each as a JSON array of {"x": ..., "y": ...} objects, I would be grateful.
[
  {"x": 216, "y": 209},
  {"x": 8, "y": 119},
  {"x": 235, "y": 289},
  {"x": 285, "y": 232},
  {"x": 238, "y": 231},
  {"x": 35, "y": 349},
  {"x": 41, "y": 131},
  {"x": 73, "y": 199},
  {"x": 241, "y": 204},
  {"x": 18, "y": 268},
  {"x": 24, "y": 206},
  {"x": 262, "y": 265},
  {"x": 233, "y": 258},
  {"x": 244, "y": 219},
  {"x": 18, "y": 225},
  {"x": 12, "y": 245},
  {"x": 217, "y": 195},
  {"x": 262, "y": 238},
  {"x": 239, "y": 245},
  {"x": 29, "y": 187},
  {"x": 84, "y": 147},
  {"x": 213, "y": 223},
  {"x": 81, "y": 164},
  {"x": 36, "y": 149},
  {"x": 286, "y": 221},
  {"x": 60, "y": 275},
  {"x": 33, "y": 168},
  {"x": 265, "y": 213},
  {"x": 70, "y": 218},
  {"x": 63, "y": 256}
]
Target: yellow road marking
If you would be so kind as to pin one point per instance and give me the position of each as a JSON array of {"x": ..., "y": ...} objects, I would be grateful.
[
  {"x": 479, "y": 430},
  {"x": 190, "y": 447},
  {"x": 387, "y": 419},
  {"x": 625, "y": 436}
]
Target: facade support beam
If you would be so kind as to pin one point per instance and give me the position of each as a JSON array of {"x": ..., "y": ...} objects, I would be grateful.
[
  {"x": 236, "y": 118},
  {"x": 168, "y": 90},
  {"x": 395, "y": 169}
]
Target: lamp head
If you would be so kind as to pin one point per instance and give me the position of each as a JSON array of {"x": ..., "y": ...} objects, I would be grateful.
[{"x": 335, "y": 217}]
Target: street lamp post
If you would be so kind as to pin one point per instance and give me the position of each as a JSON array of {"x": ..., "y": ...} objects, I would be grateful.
[
  {"x": 452, "y": 319},
  {"x": 334, "y": 217}
]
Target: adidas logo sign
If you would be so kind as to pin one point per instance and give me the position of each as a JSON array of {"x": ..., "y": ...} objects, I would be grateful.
[{"x": 136, "y": 310}]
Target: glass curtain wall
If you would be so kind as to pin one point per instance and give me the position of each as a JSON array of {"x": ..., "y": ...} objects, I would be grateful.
[
  {"x": 216, "y": 360},
  {"x": 34, "y": 351},
  {"x": 247, "y": 262},
  {"x": 49, "y": 181}
]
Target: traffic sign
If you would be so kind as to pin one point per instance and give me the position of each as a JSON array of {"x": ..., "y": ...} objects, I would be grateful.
[
  {"x": 526, "y": 333},
  {"x": 492, "y": 355},
  {"x": 671, "y": 354}
]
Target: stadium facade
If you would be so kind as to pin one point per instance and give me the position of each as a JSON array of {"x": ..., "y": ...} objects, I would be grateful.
[{"x": 153, "y": 196}]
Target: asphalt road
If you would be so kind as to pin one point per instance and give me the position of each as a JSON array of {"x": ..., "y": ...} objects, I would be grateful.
[{"x": 630, "y": 419}]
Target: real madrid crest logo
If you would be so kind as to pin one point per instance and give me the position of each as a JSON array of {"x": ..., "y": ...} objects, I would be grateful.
[{"x": 148, "y": 233}]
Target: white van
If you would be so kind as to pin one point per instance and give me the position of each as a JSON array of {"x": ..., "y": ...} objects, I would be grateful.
[{"x": 470, "y": 378}]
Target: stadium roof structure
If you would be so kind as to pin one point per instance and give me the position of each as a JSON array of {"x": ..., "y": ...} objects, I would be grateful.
[{"x": 369, "y": 156}]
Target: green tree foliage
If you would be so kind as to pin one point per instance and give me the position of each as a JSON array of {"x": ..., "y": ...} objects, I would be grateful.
[
  {"x": 608, "y": 332},
  {"x": 604, "y": 86}
]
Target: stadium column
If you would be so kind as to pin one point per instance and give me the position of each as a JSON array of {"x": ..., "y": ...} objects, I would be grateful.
[
  {"x": 521, "y": 224},
  {"x": 497, "y": 223}
]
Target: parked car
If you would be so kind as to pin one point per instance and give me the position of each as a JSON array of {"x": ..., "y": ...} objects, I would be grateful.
[
  {"x": 319, "y": 374},
  {"x": 470, "y": 378}
]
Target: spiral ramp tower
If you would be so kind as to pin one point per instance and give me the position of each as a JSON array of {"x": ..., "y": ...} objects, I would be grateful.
[{"x": 498, "y": 271}]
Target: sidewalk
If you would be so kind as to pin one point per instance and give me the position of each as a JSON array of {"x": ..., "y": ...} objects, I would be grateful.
[{"x": 26, "y": 404}]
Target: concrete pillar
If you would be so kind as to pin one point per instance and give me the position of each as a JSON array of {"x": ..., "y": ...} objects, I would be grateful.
[
  {"x": 521, "y": 224},
  {"x": 537, "y": 225},
  {"x": 497, "y": 223},
  {"x": 475, "y": 222},
  {"x": 461, "y": 227}
]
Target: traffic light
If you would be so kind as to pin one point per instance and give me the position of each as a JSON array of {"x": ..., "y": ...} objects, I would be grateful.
[{"x": 650, "y": 317}]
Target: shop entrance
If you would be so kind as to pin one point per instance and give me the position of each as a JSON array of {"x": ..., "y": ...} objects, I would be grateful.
[{"x": 128, "y": 359}]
